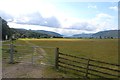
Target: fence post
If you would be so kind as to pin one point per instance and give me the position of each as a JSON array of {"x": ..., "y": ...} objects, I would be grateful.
[
  {"x": 34, "y": 49},
  {"x": 56, "y": 57},
  {"x": 87, "y": 68},
  {"x": 32, "y": 55},
  {"x": 11, "y": 53}
]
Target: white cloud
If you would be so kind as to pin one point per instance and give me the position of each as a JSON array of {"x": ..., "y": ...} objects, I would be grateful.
[
  {"x": 72, "y": 26},
  {"x": 100, "y": 22},
  {"x": 18, "y": 7},
  {"x": 92, "y": 6},
  {"x": 115, "y": 8},
  {"x": 102, "y": 17},
  {"x": 103, "y": 21},
  {"x": 66, "y": 32},
  {"x": 69, "y": 25},
  {"x": 39, "y": 12},
  {"x": 83, "y": 26}
]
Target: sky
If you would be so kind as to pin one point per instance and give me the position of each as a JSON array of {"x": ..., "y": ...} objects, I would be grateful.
[{"x": 64, "y": 17}]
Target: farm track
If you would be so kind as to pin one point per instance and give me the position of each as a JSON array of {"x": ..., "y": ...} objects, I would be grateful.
[
  {"x": 25, "y": 69},
  {"x": 41, "y": 51}
]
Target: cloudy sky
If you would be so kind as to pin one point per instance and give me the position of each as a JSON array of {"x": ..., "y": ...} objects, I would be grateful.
[{"x": 64, "y": 17}]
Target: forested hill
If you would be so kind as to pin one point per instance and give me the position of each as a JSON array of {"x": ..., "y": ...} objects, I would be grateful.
[
  {"x": 49, "y": 33},
  {"x": 23, "y": 33},
  {"x": 108, "y": 34},
  {"x": 101, "y": 34},
  {"x": 8, "y": 32},
  {"x": 5, "y": 29}
]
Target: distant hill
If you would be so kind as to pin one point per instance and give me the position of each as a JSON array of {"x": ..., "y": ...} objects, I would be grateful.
[
  {"x": 23, "y": 33},
  {"x": 107, "y": 34},
  {"x": 50, "y": 33},
  {"x": 101, "y": 34},
  {"x": 82, "y": 35}
]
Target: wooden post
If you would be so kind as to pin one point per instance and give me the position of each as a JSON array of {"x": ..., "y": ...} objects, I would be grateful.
[
  {"x": 11, "y": 54},
  {"x": 56, "y": 57},
  {"x": 6, "y": 37},
  {"x": 32, "y": 55},
  {"x": 34, "y": 49},
  {"x": 87, "y": 68}
]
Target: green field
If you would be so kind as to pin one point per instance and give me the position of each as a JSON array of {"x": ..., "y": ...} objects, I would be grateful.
[{"x": 98, "y": 49}]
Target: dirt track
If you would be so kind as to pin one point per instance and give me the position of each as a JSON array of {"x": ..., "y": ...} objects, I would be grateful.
[
  {"x": 25, "y": 68},
  {"x": 28, "y": 68}
]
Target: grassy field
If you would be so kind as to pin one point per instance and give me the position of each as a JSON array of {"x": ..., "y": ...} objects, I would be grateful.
[{"x": 98, "y": 49}]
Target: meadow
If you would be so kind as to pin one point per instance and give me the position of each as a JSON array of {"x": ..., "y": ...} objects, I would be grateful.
[{"x": 98, "y": 49}]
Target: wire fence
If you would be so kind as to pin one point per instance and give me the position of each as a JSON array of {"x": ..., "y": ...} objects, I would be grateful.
[{"x": 13, "y": 53}]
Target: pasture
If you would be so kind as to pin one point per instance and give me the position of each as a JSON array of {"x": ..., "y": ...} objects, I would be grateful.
[{"x": 97, "y": 49}]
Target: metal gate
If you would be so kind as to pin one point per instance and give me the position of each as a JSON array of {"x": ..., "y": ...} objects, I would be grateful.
[{"x": 13, "y": 53}]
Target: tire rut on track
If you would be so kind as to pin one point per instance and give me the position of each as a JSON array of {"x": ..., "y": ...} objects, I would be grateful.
[{"x": 25, "y": 69}]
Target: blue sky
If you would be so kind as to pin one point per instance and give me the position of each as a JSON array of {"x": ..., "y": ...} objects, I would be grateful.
[
  {"x": 86, "y": 9},
  {"x": 66, "y": 18}
]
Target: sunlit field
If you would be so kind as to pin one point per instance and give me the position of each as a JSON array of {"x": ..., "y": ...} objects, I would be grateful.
[{"x": 98, "y": 49}]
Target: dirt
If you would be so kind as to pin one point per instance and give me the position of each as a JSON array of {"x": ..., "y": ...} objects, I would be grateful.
[
  {"x": 31, "y": 67},
  {"x": 26, "y": 68},
  {"x": 34, "y": 65}
]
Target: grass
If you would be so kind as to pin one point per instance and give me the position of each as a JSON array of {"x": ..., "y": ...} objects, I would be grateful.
[
  {"x": 19, "y": 51},
  {"x": 99, "y": 49},
  {"x": 0, "y": 66},
  {"x": 0, "y": 51}
]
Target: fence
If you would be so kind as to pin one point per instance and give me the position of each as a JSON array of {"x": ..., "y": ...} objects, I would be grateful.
[
  {"x": 87, "y": 68},
  {"x": 84, "y": 67},
  {"x": 13, "y": 53}
]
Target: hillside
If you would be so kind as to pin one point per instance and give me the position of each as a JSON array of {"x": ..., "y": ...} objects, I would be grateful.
[
  {"x": 50, "y": 33},
  {"x": 23, "y": 33},
  {"x": 101, "y": 34},
  {"x": 107, "y": 34},
  {"x": 6, "y": 31},
  {"x": 82, "y": 35}
]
